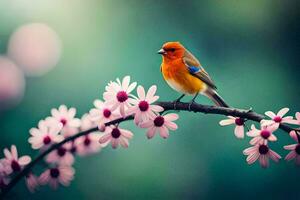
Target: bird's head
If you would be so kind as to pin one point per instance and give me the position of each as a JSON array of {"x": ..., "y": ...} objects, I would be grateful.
[{"x": 172, "y": 50}]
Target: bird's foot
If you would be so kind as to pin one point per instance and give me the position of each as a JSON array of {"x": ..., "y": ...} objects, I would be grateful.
[
  {"x": 175, "y": 103},
  {"x": 250, "y": 110},
  {"x": 190, "y": 105}
]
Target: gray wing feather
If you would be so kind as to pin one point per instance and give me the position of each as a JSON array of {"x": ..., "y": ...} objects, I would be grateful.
[{"x": 191, "y": 61}]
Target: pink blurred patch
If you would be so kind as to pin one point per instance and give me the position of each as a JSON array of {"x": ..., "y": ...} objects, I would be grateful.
[
  {"x": 12, "y": 83},
  {"x": 35, "y": 47}
]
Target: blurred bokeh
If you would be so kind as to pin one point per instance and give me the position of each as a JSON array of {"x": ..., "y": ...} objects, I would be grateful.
[{"x": 250, "y": 48}]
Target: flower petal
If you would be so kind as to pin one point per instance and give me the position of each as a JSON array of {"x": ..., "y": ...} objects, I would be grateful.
[
  {"x": 24, "y": 160},
  {"x": 290, "y": 156},
  {"x": 264, "y": 161},
  {"x": 164, "y": 132},
  {"x": 270, "y": 114},
  {"x": 283, "y": 111},
  {"x": 171, "y": 125},
  {"x": 14, "y": 152},
  {"x": 290, "y": 147},
  {"x": 151, "y": 92},
  {"x": 104, "y": 138},
  {"x": 252, "y": 158},
  {"x": 239, "y": 132},
  {"x": 151, "y": 132},
  {"x": 226, "y": 122},
  {"x": 171, "y": 117},
  {"x": 141, "y": 92}
]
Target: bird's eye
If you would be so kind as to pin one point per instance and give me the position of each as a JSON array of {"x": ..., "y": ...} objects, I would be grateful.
[{"x": 172, "y": 49}]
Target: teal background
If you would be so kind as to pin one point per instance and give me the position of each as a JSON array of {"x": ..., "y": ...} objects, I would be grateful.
[{"x": 250, "y": 48}]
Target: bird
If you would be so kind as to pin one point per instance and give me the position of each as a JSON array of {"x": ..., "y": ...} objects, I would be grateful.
[{"x": 184, "y": 73}]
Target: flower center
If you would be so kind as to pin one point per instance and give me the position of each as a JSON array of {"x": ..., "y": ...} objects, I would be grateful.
[
  {"x": 47, "y": 140},
  {"x": 15, "y": 166},
  {"x": 87, "y": 141},
  {"x": 122, "y": 96},
  {"x": 277, "y": 119},
  {"x": 106, "y": 113},
  {"x": 115, "y": 133},
  {"x": 143, "y": 105},
  {"x": 63, "y": 121},
  {"x": 265, "y": 134},
  {"x": 159, "y": 121},
  {"x": 297, "y": 149},
  {"x": 73, "y": 149},
  {"x": 54, "y": 172},
  {"x": 263, "y": 149},
  {"x": 239, "y": 121},
  {"x": 61, "y": 151}
]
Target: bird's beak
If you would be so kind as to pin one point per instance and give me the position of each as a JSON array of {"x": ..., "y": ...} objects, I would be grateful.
[{"x": 162, "y": 52}]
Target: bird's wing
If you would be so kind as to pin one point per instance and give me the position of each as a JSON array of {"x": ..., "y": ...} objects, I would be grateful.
[{"x": 196, "y": 69}]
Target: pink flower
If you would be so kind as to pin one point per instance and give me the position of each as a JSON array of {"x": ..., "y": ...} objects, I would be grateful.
[
  {"x": 88, "y": 144},
  {"x": 142, "y": 109},
  {"x": 12, "y": 159},
  {"x": 239, "y": 125},
  {"x": 86, "y": 122},
  {"x": 62, "y": 155},
  {"x": 294, "y": 149},
  {"x": 67, "y": 118},
  {"x": 56, "y": 175},
  {"x": 32, "y": 182},
  {"x": 261, "y": 152},
  {"x": 117, "y": 94},
  {"x": 102, "y": 113},
  {"x": 116, "y": 136},
  {"x": 45, "y": 135},
  {"x": 260, "y": 136},
  {"x": 277, "y": 119},
  {"x": 162, "y": 124}
]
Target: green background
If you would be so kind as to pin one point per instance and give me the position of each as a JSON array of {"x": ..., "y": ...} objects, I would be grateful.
[{"x": 250, "y": 48}]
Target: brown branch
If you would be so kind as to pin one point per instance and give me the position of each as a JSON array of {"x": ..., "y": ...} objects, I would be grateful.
[{"x": 197, "y": 108}]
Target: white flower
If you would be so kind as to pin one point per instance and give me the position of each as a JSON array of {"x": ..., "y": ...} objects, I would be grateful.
[
  {"x": 88, "y": 144},
  {"x": 277, "y": 119},
  {"x": 46, "y": 134},
  {"x": 67, "y": 118},
  {"x": 54, "y": 176},
  {"x": 261, "y": 152},
  {"x": 261, "y": 135},
  {"x": 13, "y": 161},
  {"x": 61, "y": 155},
  {"x": 116, "y": 136},
  {"x": 117, "y": 94},
  {"x": 142, "y": 109},
  {"x": 102, "y": 113},
  {"x": 239, "y": 125},
  {"x": 161, "y": 124}
]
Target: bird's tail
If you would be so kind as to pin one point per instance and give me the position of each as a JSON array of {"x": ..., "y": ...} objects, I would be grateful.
[{"x": 216, "y": 98}]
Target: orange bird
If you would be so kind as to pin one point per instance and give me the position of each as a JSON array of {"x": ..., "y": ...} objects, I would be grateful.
[{"x": 184, "y": 73}]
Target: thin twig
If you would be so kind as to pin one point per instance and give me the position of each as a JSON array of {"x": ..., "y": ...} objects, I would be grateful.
[{"x": 198, "y": 108}]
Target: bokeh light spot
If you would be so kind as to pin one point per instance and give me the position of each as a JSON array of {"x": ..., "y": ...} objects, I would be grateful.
[{"x": 35, "y": 47}]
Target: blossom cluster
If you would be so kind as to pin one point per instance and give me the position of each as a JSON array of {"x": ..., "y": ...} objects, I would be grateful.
[
  {"x": 264, "y": 135},
  {"x": 118, "y": 103},
  {"x": 101, "y": 127}
]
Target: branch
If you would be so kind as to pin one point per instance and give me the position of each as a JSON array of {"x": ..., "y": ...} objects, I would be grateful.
[{"x": 197, "y": 108}]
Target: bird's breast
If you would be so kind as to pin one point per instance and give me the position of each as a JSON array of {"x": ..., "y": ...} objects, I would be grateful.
[{"x": 178, "y": 77}]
